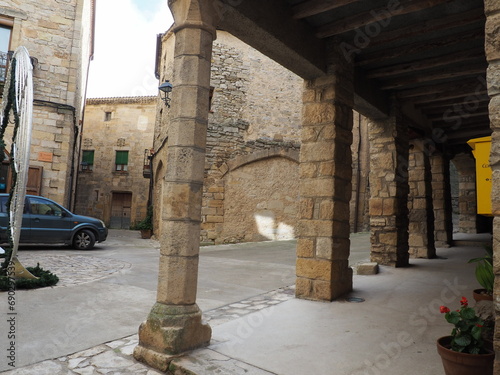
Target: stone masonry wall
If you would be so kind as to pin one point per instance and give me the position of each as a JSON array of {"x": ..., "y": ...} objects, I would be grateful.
[
  {"x": 250, "y": 115},
  {"x": 492, "y": 48},
  {"x": 57, "y": 36},
  {"x": 467, "y": 206},
  {"x": 130, "y": 128}
]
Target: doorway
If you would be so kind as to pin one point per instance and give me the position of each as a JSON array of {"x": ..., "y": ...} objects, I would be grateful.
[{"x": 120, "y": 210}]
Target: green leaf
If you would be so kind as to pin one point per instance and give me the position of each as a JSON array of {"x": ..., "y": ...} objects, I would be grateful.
[
  {"x": 463, "y": 340},
  {"x": 468, "y": 313},
  {"x": 452, "y": 317},
  {"x": 476, "y": 332}
]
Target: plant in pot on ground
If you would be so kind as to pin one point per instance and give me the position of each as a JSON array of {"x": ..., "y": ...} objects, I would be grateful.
[
  {"x": 484, "y": 274},
  {"x": 146, "y": 225},
  {"x": 464, "y": 351}
]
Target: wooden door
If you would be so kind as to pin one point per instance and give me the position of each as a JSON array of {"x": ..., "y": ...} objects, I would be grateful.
[{"x": 120, "y": 210}]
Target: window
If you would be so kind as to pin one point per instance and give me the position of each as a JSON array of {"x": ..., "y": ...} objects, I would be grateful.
[
  {"x": 107, "y": 116},
  {"x": 5, "y": 33},
  {"x": 87, "y": 160},
  {"x": 121, "y": 161}
]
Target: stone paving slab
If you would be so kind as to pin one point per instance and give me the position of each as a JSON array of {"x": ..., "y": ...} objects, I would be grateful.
[{"x": 116, "y": 357}]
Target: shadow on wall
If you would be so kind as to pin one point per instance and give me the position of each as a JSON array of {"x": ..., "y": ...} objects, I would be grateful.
[{"x": 268, "y": 227}]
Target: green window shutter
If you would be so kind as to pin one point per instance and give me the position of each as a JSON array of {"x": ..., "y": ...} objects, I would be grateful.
[
  {"x": 88, "y": 157},
  {"x": 121, "y": 158}
]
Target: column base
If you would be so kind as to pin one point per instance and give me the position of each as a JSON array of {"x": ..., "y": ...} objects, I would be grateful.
[{"x": 169, "y": 331}]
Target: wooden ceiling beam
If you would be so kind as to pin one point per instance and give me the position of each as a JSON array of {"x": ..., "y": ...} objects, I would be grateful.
[
  {"x": 444, "y": 73},
  {"x": 428, "y": 26},
  {"x": 314, "y": 7},
  {"x": 435, "y": 62},
  {"x": 381, "y": 15},
  {"x": 452, "y": 116},
  {"x": 447, "y": 103},
  {"x": 419, "y": 48},
  {"x": 473, "y": 86},
  {"x": 458, "y": 107},
  {"x": 466, "y": 135},
  {"x": 463, "y": 123}
]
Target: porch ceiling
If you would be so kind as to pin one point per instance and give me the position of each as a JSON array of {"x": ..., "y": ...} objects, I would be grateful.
[{"x": 429, "y": 54}]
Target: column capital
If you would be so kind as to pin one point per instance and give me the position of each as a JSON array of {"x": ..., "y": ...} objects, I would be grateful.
[{"x": 196, "y": 14}]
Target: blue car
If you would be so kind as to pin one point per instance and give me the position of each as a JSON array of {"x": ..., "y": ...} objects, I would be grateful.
[{"x": 46, "y": 222}]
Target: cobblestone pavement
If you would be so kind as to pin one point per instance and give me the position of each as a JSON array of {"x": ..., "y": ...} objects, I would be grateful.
[
  {"x": 73, "y": 269},
  {"x": 115, "y": 357}
]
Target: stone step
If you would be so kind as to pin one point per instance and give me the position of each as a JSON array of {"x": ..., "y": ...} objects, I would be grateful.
[{"x": 209, "y": 362}]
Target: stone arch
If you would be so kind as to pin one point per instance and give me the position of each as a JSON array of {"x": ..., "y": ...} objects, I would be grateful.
[
  {"x": 242, "y": 160},
  {"x": 261, "y": 197}
]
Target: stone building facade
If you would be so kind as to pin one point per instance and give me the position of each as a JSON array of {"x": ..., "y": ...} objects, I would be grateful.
[
  {"x": 251, "y": 166},
  {"x": 59, "y": 38},
  {"x": 114, "y": 174}
]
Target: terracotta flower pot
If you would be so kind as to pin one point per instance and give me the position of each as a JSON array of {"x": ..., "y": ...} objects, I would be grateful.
[
  {"x": 481, "y": 295},
  {"x": 456, "y": 363}
]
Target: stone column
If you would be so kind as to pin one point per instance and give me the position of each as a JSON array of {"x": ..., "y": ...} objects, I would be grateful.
[
  {"x": 421, "y": 213},
  {"x": 174, "y": 324},
  {"x": 325, "y": 185},
  {"x": 492, "y": 47},
  {"x": 389, "y": 190},
  {"x": 441, "y": 195},
  {"x": 467, "y": 207}
]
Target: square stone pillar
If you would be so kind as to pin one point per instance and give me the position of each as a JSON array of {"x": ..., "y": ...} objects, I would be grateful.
[
  {"x": 421, "y": 213},
  {"x": 323, "y": 245},
  {"x": 389, "y": 145},
  {"x": 467, "y": 201},
  {"x": 441, "y": 196},
  {"x": 174, "y": 324},
  {"x": 492, "y": 47}
]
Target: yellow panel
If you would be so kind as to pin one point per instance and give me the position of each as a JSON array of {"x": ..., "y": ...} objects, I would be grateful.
[{"x": 481, "y": 150}]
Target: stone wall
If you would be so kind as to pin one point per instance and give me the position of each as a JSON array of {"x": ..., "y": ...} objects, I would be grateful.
[
  {"x": 129, "y": 128},
  {"x": 467, "y": 206},
  {"x": 58, "y": 37},
  {"x": 251, "y": 168}
]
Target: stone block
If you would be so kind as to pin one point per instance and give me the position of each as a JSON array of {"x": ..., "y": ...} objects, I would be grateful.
[
  {"x": 492, "y": 39},
  {"x": 179, "y": 277},
  {"x": 314, "y": 269},
  {"x": 303, "y": 287},
  {"x": 305, "y": 248},
  {"x": 370, "y": 268},
  {"x": 324, "y": 248}
]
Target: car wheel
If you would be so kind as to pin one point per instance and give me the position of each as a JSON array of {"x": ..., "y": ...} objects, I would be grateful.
[{"x": 84, "y": 240}]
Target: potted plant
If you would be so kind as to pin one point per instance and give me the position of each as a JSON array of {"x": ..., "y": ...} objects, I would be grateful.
[
  {"x": 465, "y": 352},
  {"x": 484, "y": 275},
  {"x": 146, "y": 225}
]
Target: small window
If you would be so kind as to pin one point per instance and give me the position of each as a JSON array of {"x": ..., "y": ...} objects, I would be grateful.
[
  {"x": 5, "y": 34},
  {"x": 121, "y": 161},
  {"x": 107, "y": 116},
  {"x": 88, "y": 160}
]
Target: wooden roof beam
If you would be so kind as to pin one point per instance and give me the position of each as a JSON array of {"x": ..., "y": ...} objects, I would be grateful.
[
  {"x": 447, "y": 103},
  {"x": 423, "y": 27},
  {"x": 314, "y": 7},
  {"x": 420, "y": 48},
  {"x": 441, "y": 74},
  {"x": 380, "y": 15},
  {"x": 472, "y": 86},
  {"x": 435, "y": 62},
  {"x": 453, "y": 116}
]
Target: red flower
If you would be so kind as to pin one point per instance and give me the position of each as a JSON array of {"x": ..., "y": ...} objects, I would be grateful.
[
  {"x": 444, "y": 310},
  {"x": 464, "y": 302},
  {"x": 479, "y": 325}
]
